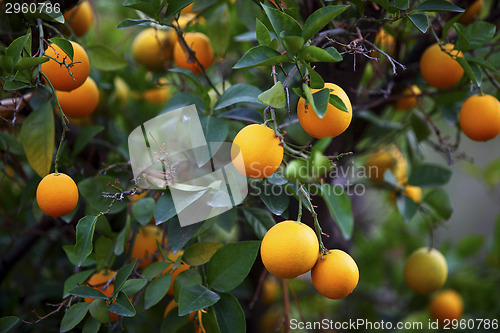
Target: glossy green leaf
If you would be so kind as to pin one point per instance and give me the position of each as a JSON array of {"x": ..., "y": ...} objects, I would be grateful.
[
  {"x": 320, "y": 18},
  {"x": 293, "y": 44},
  {"x": 65, "y": 46},
  {"x": 194, "y": 298},
  {"x": 275, "y": 199},
  {"x": 263, "y": 36},
  {"x": 99, "y": 310},
  {"x": 190, "y": 277},
  {"x": 132, "y": 286},
  {"x": 7, "y": 323},
  {"x": 261, "y": 55},
  {"x": 274, "y": 96},
  {"x": 15, "y": 48},
  {"x": 164, "y": 209},
  {"x": 86, "y": 134},
  {"x": 440, "y": 202},
  {"x": 174, "y": 6},
  {"x": 37, "y": 136},
  {"x": 92, "y": 189},
  {"x": 87, "y": 292},
  {"x": 84, "y": 235},
  {"x": 91, "y": 326},
  {"x": 75, "y": 280},
  {"x": 127, "y": 23},
  {"x": 155, "y": 269},
  {"x": 104, "y": 58},
  {"x": 200, "y": 253},
  {"x": 223, "y": 272},
  {"x": 421, "y": 21},
  {"x": 339, "y": 205},
  {"x": 179, "y": 236},
  {"x": 122, "y": 276},
  {"x": 282, "y": 23},
  {"x": 259, "y": 220},
  {"x": 406, "y": 207},
  {"x": 438, "y": 6},
  {"x": 144, "y": 6},
  {"x": 244, "y": 114},
  {"x": 156, "y": 290},
  {"x": 74, "y": 316},
  {"x": 122, "y": 306},
  {"x": 315, "y": 54},
  {"x": 143, "y": 210},
  {"x": 315, "y": 79},
  {"x": 236, "y": 321},
  {"x": 429, "y": 175},
  {"x": 321, "y": 100},
  {"x": 239, "y": 93}
]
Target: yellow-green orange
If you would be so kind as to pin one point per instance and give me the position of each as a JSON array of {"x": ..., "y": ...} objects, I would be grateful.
[
  {"x": 154, "y": 48},
  {"x": 333, "y": 123},
  {"x": 289, "y": 249},
  {"x": 479, "y": 117},
  {"x": 256, "y": 151},
  {"x": 440, "y": 68},
  {"x": 335, "y": 275},
  {"x": 425, "y": 270},
  {"x": 57, "y": 194}
]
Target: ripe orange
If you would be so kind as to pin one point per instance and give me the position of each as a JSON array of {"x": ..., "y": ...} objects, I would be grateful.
[
  {"x": 183, "y": 267},
  {"x": 447, "y": 304},
  {"x": 425, "y": 270},
  {"x": 153, "y": 48},
  {"x": 256, "y": 151},
  {"x": 336, "y": 275},
  {"x": 334, "y": 122},
  {"x": 57, "y": 195},
  {"x": 200, "y": 44},
  {"x": 438, "y": 68},
  {"x": 406, "y": 103},
  {"x": 145, "y": 247},
  {"x": 289, "y": 249},
  {"x": 472, "y": 12},
  {"x": 159, "y": 95},
  {"x": 100, "y": 281},
  {"x": 387, "y": 158},
  {"x": 480, "y": 117},
  {"x": 58, "y": 74},
  {"x": 79, "y": 102},
  {"x": 80, "y": 18}
]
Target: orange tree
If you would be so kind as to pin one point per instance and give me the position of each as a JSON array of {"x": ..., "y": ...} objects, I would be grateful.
[{"x": 333, "y": 108}]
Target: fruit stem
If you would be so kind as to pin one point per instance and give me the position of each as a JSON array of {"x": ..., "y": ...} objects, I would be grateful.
[
  {"x": 299, "y": 216},
  {"x": 317, "y": 226},
  {"x": 294, "y": 151}
]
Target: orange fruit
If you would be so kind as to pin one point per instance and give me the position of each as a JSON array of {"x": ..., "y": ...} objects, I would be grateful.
[
  {"x": 79, "y": 102},
  {"x": 183, "y": 267},
  {"x": 414, "y": 192},
  {"x": 145, "y": 247},
  {"x": 80, "y": 18},
  {"x": 425, "y": 270},
  {"x": 472, "y": 12},
  {"x": 335, "y": 275},
  {"x": 57, "y": 194},
  {"x": 334, "y": 122},
  {"x": 256, "y": 151},
  {"x": 406, "y": 103},
  {"x": 289, "y": 249},
  {"x": 387, "y": 158},
  {"x": 479, "y": 117},
  {"x": 153, "y": 48},
  {"x": 58, "y": 74},
  {"x": 200, "y": 45},
  {"x": 447, "y": 304},
  {"x": 188, "y": 8},
  {"x": 270, "y": 290},
  {"x": 99, "y": 281},
  {"x": 159, "y": 95},
  {"x": 440, "y": 69}
]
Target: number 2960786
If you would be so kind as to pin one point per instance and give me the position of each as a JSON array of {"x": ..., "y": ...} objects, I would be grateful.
[{"x": 32, "y": 8}]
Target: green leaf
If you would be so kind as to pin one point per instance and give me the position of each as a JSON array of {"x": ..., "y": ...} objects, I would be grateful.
[
  {"x": 64, "y": 44},
  {"x": 239, "y": 93},
  {"x": 440, "y": 202},
  {"x": 315, "y": 80},
  {"x": 236, "y": 321},
  {"x": 84, "y": 234},
  {"x": 37, "y": 136},
  {"x": 145, "y": 6},
  {"x": 406, "y": 207},
  {"x": 194, "y": 298},
  {"x": 122, "y": 306},
  {"x": 187, "y": 278},
  {"x": 86, "y": 134},
  {"x": 321, "y": 99},
  {"x": 275, "y": 199},
  {"x": 29, "y": 62},
  {"x": 15, "y": 49},
  {"x": 261, "y": 55},
  {"x": 315, "y": 54},
  {"x": 420, "y": 126},
  {"x": 122, "y": 276},
  {"x": 91, "y": 325},
  {"x": 155, "y": 269},
  {"x": 15, "y": 85},
  {"x": 475, "y": 35},
  {"x": 274, "y": 96},
  {"x": 75, "y": 280},
  {"x": 127, "y": 23},
  {"x": 339, "y": 205},
  {"x": 189, "y": 75},
  {"x": 74, "y": 316},
  {"x": 122, "y": 237},
  {"x": 104, "y": 58},
  {"x": 244, "y": 114},
  {"x": 218, "y": 23},
  {"x": 215, "y": 130},
  {"x": 179, "y": 236},
  {"x": 438, "y": 6},
  {"x": 421, "y": 21},
  {"x": 282, "y": 23},
  {"x": 263, "y": 36},
  {"x": 429, "y": 175},
  {"x": 321, "y": 17},
  {"x": 143, "y": 210},
  {"x": 7, "y": 323},
  {"x": 200, "y": 253},
  {"x": 87, "y": 292},
  {"x": 156, "y": 290},
  {"x": 48, "y": 13},
  {"x": 292, "y": 44},
  {"x": 132, "y": 286},
  {"x": 259, "y": 220},
  {"x": 164, "y": 209},
  {"x": 92, "y": 188},
  {"x": 481, "y": 62},
  {"x": 175, "y": 6},
  {"x": 223, "y": 272},
  {"x": 470, "y": 245},
  {"x": 99, "y": 310}
]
